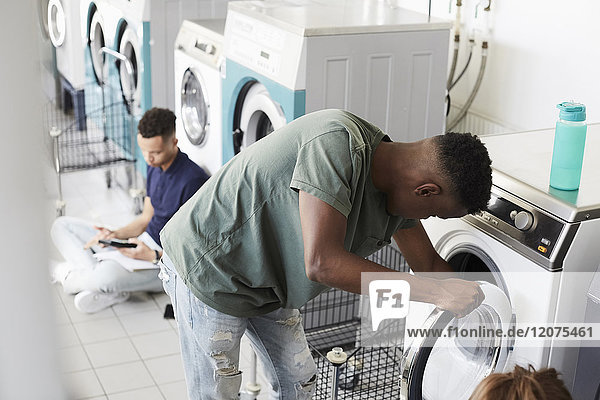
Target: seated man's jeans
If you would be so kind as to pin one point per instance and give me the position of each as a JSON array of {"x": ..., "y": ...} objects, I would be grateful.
[
  {"x": 70, "y": 235},
  {"x": 210, "y": 346}
]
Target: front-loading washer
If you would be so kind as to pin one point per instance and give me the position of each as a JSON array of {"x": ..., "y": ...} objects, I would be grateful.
[
  {"x": 541, "y": 243},
  {"x": 99, "y": 21},
  {"x": 198, "y": 61},
  {"x": 64, "y": 28},
  {"x": 287, "y": 58},
  {"x": 146, "y": 35}
]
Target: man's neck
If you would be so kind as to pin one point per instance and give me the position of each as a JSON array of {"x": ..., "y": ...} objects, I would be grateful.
[
  {"x": 166, "y": 165},
  {"x": 394, "y": 163}
]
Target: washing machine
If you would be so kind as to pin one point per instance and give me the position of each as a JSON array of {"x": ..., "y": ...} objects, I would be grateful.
[
  {"x": 99, "y": 27},
  {"x": 49, "y": 72},
  {"x": 145, "y": 35},
  {"x": 64, "y": 28},
  {"x": 541, "y": 246},
  {"x": 198, "y": 61},
  {"x": 288, "y": 58}
]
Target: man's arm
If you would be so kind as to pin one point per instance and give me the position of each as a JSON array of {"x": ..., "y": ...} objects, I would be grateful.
[
  {"x": 138, "y": 225},
  {"x": 326, "y": 261},
  {"x": 417, "y": 250},
  {"x": 131, "y": 230}
]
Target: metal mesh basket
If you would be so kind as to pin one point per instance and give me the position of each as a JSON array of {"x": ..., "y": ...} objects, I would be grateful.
[
  {"x": 104, "y": 139},
  {"x": 332, "y": 319}
]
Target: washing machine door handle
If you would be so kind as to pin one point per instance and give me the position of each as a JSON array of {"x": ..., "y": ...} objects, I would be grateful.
[{"x": 238, "y": 140}]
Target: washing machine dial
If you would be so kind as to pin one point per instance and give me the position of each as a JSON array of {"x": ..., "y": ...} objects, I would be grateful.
[{"x": 523, "y": 220}]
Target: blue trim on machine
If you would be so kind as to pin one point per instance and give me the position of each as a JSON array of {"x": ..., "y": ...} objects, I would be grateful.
[{"x": 292, "y": 102}]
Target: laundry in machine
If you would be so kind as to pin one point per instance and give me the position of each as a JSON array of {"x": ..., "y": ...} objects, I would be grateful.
[
  {"x": 64, "y": 29},
  {"x": 540, "y": 242},
  {"x": 285, "y": 59},
  {"x": 198, "y": 60}
]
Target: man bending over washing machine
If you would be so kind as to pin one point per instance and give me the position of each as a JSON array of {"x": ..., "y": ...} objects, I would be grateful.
[
  {"x": 294, "y": 214},
  {"x": 172, "y": 178}
]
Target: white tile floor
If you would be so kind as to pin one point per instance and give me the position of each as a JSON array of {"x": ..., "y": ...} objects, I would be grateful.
[{"x": 128, "y": 351}]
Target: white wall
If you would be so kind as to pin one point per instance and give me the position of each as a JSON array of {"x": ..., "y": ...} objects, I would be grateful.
[
  {"x": 28, "y": 367},
  {"x": 541, "y": 52}
]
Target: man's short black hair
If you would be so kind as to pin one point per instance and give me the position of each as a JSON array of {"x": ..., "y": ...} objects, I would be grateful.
[
  {"x": 465, "y": 161},
  {"x": 157, "y": 122}
]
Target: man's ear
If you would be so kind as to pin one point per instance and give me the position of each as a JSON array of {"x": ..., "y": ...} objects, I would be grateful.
[{"x": 427, "y": 189}]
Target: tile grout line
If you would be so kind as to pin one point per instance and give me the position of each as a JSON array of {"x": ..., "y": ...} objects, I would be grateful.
[{"x": 141, "y": 358}]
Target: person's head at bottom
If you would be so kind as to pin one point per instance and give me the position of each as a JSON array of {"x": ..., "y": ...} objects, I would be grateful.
[{"x": 522, "y": 384}]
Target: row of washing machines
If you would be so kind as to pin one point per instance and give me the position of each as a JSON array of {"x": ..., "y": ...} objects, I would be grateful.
[
  {"x": 269, "y": 62},
  {"x": 232, "y": 81}
]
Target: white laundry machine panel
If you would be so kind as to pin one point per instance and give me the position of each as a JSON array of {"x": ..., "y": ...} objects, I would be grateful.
[
  {"x": 198, "y": 60},
  {"x": 541, "y": 241},
  {"x": 64, "y": 28},
  {"x": 288, "y": 58}
]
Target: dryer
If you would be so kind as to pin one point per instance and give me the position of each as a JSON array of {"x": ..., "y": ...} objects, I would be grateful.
[
  {"x": 542, "y": 243},
  {"x": 285, "y": 59},
  {"x": 198, "y": 61}
]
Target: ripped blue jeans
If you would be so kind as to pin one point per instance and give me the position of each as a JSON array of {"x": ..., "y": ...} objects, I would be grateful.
[{"x": 210, "y": 346}]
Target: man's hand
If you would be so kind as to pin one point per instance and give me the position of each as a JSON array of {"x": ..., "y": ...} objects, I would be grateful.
[
  {"x": 103, "y": 233},
  {"x": 458, "y": 296},
  {"x": 140, "y": 252}
]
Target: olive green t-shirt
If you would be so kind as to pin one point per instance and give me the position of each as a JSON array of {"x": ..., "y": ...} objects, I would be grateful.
[{"x": 237, "y": 243}]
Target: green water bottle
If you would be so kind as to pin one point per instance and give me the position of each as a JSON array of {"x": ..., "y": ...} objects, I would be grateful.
[{"x": 569, "y": 143}]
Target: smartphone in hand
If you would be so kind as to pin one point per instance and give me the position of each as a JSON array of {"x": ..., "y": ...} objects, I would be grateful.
[{"x": 117, "y": 243}]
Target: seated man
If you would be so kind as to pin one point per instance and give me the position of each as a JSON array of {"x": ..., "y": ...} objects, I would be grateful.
[{"x": 172, "y": 179}]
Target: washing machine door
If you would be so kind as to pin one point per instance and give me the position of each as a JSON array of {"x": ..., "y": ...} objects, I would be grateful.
[
  {"x": 57, "y": 23},
  {"x": 451, "y": 367},
  {"x": 96, "y": 43},
  {"x": 258, "y": 116},
  {"x": 195, "y": 107},
  {"x": 129, "y": 75}
]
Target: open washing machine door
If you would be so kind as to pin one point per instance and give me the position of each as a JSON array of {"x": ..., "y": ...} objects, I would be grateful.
[
  {"x": 195, "y": 108},
  {"x": 56, "y": 23},
  {"x": 256, "y": 115},
  {"x": 451, "y": 367},
  {"x": 130, "y": 78},
  {"x": 96, "y": 43}
]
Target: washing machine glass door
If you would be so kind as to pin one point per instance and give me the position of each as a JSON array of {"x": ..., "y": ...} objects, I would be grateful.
[
  {"x": 128, "y": 72},
  {"x": 96, "y": 44},
  {"x": 451, "y": 367},
  {"x": 57, "y": 22},
  {"x": 260, "y": 115},
  {"x": 195, "y": 108}
]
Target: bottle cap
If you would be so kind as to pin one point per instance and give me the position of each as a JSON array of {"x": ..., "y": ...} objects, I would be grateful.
[{"x": 570, "y": 111}]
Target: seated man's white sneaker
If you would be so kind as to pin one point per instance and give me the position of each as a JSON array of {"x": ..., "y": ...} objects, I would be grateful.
[
  {"x": 91, "y": 302},
  {"x": 59, "y": 271}
]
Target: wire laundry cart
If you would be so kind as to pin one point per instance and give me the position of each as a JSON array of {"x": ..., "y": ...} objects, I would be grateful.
[
  {"x": 332, "y": 321},
  {"x": 104, "y": 136}
]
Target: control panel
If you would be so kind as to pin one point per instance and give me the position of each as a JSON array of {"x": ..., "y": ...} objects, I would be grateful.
[{"x": 541, "y": 236}]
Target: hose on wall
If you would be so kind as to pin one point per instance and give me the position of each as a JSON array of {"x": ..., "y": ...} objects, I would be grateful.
[{"x": 463, "y": 112}]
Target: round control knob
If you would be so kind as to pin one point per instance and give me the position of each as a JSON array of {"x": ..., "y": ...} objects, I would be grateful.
[{"x": 523, "y": 220}]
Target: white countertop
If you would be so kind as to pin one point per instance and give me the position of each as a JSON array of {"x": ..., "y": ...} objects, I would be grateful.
[{"x": 337, "y": 17}]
